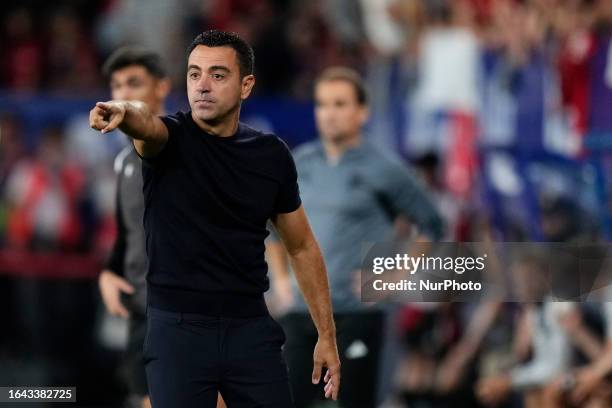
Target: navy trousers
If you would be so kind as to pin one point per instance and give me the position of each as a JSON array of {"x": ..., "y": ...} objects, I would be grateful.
[{"x": 189, "y": 357}]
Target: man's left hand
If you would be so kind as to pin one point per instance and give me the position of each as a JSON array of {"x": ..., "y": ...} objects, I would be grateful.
[{"x": 326, "y": 355}]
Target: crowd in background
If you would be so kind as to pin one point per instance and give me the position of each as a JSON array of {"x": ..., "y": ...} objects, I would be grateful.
[
  {"x": 502, "y": 107},
  {"x": 446, "y": 79}
]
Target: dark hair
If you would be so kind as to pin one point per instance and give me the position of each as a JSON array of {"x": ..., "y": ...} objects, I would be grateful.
[
  {"x": 133, "y": 55},
  {"x": 348, "y": 75},
  {"x": 217, "y": 38}
]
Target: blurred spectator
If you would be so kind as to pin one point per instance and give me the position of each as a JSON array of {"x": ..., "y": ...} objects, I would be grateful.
[
  {"x": 45, "y": 194},
  {"x": 383, "y": 33},
  {"x": 71, "y": 63},
  {"x": 448, "y": 41},
  {"x": 261, "y": 23},
  {"x": 441, "y": 343},
  {"x": 442, "y": 107},
  {"x": 11, "y": 151},
  {"x": 601, "y": 69},
  {"x": 585, "y": 384},
  {"x": 572, "y": 26},
  {"x": 313, "y": 43},
  {"x": 22, "y": 62},
  {"x": 156, "y": 25},
  {"x": 11, "y": 144},
  {"x": 592, "y": 381},
  {"x": 539, "y": 332}
]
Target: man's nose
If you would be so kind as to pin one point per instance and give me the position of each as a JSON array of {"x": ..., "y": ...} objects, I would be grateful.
[{"x": 203, "y": 85}]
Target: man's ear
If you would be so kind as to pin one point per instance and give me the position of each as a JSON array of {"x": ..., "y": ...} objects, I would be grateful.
[
  {"x": 162, "y": 89},
  {"x": 248, "y": 82}
]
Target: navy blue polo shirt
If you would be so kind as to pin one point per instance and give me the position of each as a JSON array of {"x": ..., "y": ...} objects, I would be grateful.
[{"x": 207, "y": 201}]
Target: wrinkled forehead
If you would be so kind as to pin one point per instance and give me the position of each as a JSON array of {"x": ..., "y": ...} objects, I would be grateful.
[{"x": 204, "y": 58}]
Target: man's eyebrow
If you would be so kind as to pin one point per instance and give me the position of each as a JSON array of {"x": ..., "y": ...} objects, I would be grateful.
[
  {"x": 218, "y": 67},
  {"x": 194, "y": 67}
]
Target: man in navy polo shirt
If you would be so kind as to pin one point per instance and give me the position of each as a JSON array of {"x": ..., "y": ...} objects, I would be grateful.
[{"x": 210, "y": 185}]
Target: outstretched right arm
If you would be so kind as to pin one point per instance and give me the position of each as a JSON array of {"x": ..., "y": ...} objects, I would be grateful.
[{"x": 134, "y": 118}]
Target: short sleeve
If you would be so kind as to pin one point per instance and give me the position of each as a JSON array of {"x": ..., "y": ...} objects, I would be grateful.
[
  {"x": 174, "y": 124},
  {"x": 288, "y": 199}
]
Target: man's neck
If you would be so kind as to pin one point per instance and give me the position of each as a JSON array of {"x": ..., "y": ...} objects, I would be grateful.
[
  {"x": 335, "y": 149},
  {"x": 224, "y": 128}
]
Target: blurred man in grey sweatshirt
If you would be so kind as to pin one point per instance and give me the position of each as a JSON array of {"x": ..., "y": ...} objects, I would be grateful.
[{"x": 352, "y": 193}]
